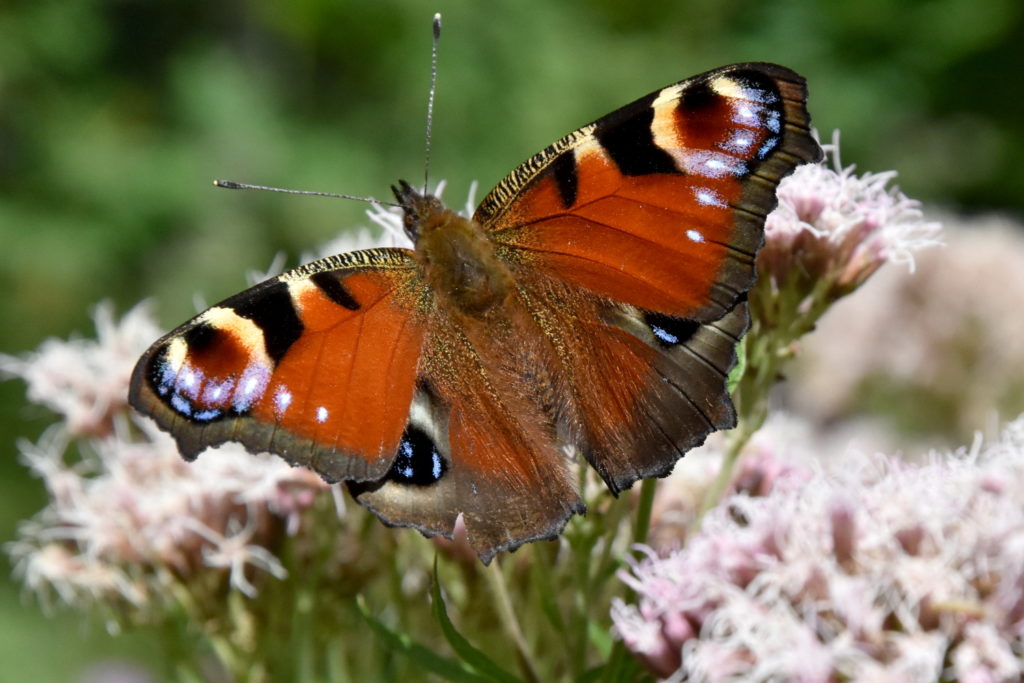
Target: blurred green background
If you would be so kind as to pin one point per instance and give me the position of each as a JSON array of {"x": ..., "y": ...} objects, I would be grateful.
[{"x": 116, "y": 115}]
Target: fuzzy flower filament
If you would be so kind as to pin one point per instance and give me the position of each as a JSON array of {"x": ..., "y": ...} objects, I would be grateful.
[{"x": 878, "y": 570}]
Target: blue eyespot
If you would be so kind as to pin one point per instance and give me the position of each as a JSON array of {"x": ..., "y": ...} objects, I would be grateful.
[{"x": 417, "y": 461}]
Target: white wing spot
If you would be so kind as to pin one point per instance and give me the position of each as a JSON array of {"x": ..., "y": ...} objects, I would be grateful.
[
  {"x": 217, "y": 392},
  {"x": 321, "y": 414},
  {"x": 695, "y": 235},
  {"x": 190, "y": 382},
  {"x": 707, "y": 197},
  {"x": 251, "y": 386},
  {"x": 282, "y": 400},
  {"x": 712, "y": 164},
  {"x": 739, "y": 144}
]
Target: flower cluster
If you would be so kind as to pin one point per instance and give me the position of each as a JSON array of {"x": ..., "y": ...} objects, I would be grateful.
[
  {"x": 877, "y": 568},
  {"x": 833, "y": 229},
  {"x": 126, "y": 513},
  {"x": 85, "y": 381}
]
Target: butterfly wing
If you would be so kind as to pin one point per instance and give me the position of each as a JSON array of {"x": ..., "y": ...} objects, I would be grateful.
[
  {"x": 653, "y": 216},
  {"x": 661, "y": 204},
  {"x": 317, "y": 365},
  {"x": 347, "y": 366},
  {"x": 640, "y": 388},
  {"x": 480, "y": 442}
]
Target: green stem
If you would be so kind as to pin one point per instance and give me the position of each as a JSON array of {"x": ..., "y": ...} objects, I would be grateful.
[
  {"x": 779, "y": 320},
  {"x": 714, "y": 493},
  {"x": 506, "y": 614},
  {"x": 226, "y": 653},
  {"x": 643, "y": 511}
]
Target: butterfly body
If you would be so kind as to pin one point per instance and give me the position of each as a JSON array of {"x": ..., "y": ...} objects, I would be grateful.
[
  {"x": 590, "y": 307},
  {"x": 457, "y": 260}
]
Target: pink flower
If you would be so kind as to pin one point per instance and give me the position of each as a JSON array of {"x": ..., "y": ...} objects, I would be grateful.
[
  {"x": 760, "y": 469},
  {"x": 834, "y": 229},
  {"x": 936, "y": 346},
  {"x": 85, "y": 381},
  {"x": 125, "y": 509},
  {"x": 877, "y": 570}
]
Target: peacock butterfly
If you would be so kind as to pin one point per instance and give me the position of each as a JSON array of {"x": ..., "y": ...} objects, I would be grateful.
[{"x": 590, "y": 306}]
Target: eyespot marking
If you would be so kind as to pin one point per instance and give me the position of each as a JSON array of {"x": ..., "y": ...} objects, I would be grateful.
[
  {"x": 670, "y": 331},
  {"x": 417, "y": 461}
]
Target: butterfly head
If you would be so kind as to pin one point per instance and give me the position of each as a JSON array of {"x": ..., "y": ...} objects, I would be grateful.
[
  {"x": 455, "y": 254},
  {"x": 420, "y": 208}
]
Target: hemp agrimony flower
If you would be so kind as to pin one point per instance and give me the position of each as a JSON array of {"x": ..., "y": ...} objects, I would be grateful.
[{"x": 875, "y": 568}]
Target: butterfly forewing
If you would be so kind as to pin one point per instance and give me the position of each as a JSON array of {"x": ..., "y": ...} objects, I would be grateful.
[
  {"x": 661, "y": 204},
  {"x": 317, "y": 365}
]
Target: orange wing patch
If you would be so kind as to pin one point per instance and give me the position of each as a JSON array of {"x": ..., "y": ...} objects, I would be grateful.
[
  {"x": 346, "y": 383},
  {"x": 317, "y": 365},
  {"x": 661, "y": 204}
]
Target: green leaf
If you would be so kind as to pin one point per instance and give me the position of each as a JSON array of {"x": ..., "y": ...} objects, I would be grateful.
[
  {"x": 424, "y": 657},
  {"x": 463, "y": 648},
  {"x": 736, "y": 374}
]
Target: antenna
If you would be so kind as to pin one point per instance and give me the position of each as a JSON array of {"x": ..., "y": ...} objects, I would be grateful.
[
  {"x": 232, "y": 185},
  {"x": 430, "y": 98}
]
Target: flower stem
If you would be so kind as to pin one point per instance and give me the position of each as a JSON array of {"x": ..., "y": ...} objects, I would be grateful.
[
  {"x": 643, "y": 511},
  {"x": 714, "y": 493},
  {"x": 506, "y": 614}
]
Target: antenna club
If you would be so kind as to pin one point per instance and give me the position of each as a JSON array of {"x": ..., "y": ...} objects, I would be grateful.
[
  {"x": 227, "y": 183},
  {"x": 437, "y": 26}
]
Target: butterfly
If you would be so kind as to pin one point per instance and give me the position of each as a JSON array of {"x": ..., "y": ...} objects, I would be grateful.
[{"x": 589, "y": 308}]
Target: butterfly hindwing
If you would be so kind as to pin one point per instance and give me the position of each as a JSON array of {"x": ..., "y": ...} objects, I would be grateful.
[
  {"x": 480, "y": 441},
  {"x": 316, "y": 365},
  {"x": 638, "y": 389}
]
